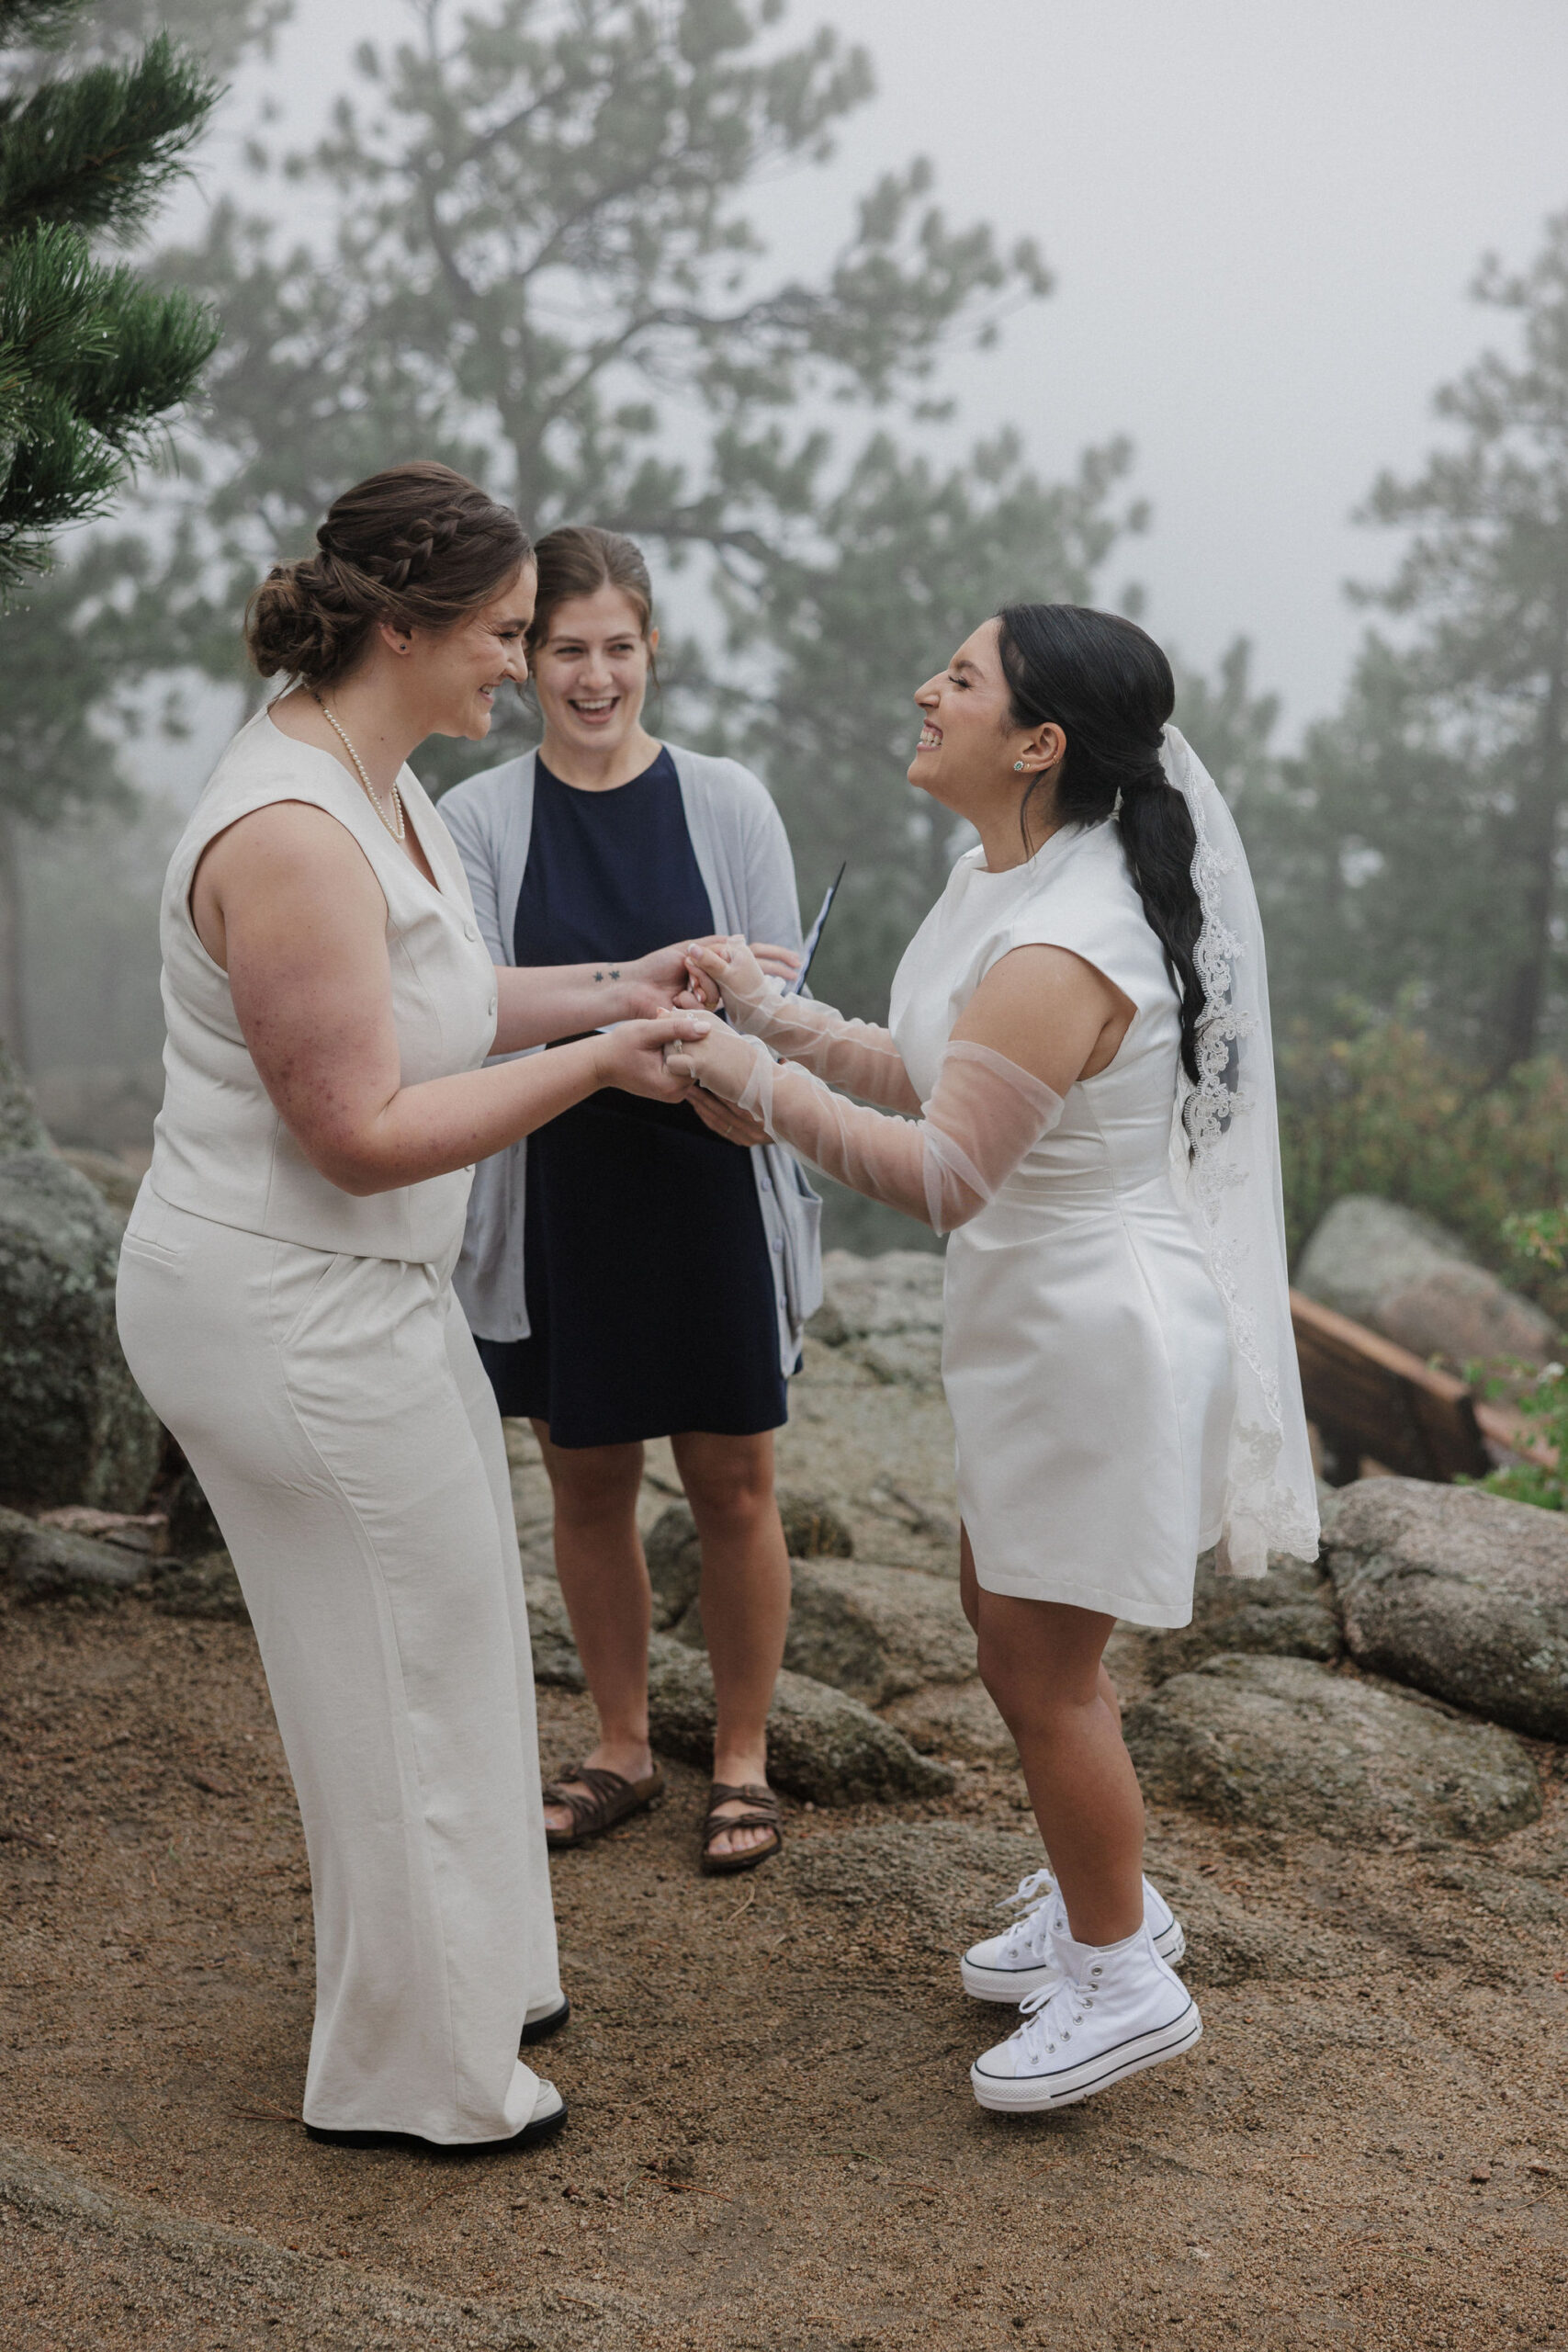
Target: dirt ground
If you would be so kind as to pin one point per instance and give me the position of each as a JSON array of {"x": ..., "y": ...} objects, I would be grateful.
[{"x": 771, "y": 2141}]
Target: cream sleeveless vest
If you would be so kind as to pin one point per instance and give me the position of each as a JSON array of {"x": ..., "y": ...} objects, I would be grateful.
[{"x": 220, "y": 1148}]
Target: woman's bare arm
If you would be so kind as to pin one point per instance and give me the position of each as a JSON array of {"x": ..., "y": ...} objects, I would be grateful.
[
  {"x": 1049, "y": 1011},
  {"x": 538, "y": 1002},
  {"x": 287, "y": 902}
]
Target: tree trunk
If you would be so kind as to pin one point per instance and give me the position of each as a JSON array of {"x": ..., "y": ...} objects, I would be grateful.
[
  {"x": 1530, "y": 872},
  {"x": 13, "y": 1004}
]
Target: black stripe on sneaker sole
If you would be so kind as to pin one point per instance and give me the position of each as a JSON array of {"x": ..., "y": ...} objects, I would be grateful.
[{"x": 1035, "y": 2093}]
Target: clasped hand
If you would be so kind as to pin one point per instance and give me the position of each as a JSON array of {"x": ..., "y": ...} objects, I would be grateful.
[
  {"x": 715, "y": 1057},
  {"x": 702, "y": 1062},
  {"x": 685, "y": 979}
]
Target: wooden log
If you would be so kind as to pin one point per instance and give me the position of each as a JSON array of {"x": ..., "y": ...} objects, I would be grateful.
[{"x": 1379, "y": 1399}]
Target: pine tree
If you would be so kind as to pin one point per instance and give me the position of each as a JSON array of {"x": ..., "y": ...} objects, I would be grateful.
[
  {"x": 1427, "y": 815},
  {"x": 91, "y": 358},
  {"x": 536, "y": 258}
]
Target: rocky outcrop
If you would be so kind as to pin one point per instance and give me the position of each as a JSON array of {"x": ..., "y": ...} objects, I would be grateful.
[
  {"x": 21, "y": 1129},
  {"x": 74, "y": 1425},
  {"x": 1290, "y": 1613},
  {"x": 1415, "y": 1282},
  {"x": 886, "y": 1311},
  {"x": 53, "y": 1563},
  {"x": 204, "y": 1588},
  {"x": 876, "y": 1633},
  {"x": 675, "y": 1556},
  {"x": 549, "y": 1634},
  {"x": 821, "y": 1742},
  {"x": 954, "y": 1719},
  {"x": 1283, "y": 1743},
  {"x": 812, "y": 1530},
  {"x": 39, "y": 1562},
  {"x": 1460, "y": 1593}
]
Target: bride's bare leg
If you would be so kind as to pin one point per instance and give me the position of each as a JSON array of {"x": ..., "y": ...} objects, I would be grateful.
[
  {"x": 1041, "y": 1662},
  {"x": 969, "y": 1593}
]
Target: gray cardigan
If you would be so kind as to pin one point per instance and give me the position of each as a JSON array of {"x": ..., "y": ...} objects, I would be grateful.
[{"x": 744, "y": 856}]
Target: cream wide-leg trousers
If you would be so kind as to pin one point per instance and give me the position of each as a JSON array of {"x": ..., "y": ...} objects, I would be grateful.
[{"x": 336, "y": 1414}]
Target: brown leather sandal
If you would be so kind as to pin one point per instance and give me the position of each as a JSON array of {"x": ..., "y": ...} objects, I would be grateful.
[
  {"x": 609, "y": 1798},
  {"x": 762, "y": 1812}
]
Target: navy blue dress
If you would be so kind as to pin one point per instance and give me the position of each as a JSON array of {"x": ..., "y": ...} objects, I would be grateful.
[{"x": 650, "y": 1293}]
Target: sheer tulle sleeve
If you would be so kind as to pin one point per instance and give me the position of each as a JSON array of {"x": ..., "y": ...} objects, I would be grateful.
[
  {"x": 854, "y": 1054},
  {"x": 984, "y": 1114}
]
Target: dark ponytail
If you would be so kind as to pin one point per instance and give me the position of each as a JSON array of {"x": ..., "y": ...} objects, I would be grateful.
[{"x": 1110, "y": 689}]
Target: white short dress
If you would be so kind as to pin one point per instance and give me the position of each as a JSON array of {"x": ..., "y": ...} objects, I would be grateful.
[{"x": 1086, "y": 1354}]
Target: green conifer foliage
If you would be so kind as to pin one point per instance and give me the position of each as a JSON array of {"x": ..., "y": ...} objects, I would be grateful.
[{"x": 92, "y": 359}]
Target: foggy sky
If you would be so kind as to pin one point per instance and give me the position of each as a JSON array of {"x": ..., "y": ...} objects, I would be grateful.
[{"x": 1261, "y": 221}]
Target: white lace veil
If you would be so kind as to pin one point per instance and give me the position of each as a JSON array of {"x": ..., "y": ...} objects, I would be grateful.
[{"x": 1226, "y": 1162}]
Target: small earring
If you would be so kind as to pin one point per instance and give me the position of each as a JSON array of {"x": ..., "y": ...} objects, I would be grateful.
[{"x": 1018, "y": 768}]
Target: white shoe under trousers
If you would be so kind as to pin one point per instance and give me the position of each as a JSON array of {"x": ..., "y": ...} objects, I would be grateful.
[{"x": 336, "y": 1414}]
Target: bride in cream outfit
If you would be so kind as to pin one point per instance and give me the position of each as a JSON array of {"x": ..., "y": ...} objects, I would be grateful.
[
  {"x": 285, "y": 1295},
  {"x": 1078, "y": 1043}
]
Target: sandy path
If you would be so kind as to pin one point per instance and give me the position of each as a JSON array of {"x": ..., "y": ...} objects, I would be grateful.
[{"x": 771, "y": 2141}]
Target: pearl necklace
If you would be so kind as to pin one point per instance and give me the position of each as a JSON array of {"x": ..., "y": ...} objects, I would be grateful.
[{"x": 394, "y": 823}]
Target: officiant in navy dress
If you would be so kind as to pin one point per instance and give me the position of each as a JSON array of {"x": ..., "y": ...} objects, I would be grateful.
[{"x": 629, "y": 1276}]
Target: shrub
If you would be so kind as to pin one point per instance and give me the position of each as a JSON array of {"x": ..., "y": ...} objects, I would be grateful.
[{"x": 1379, "y": 1110}]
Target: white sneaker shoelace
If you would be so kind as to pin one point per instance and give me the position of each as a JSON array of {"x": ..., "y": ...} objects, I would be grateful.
[
  {"x": 1051, "y": 2017},
  {"x": 1030, "y": 1934}
]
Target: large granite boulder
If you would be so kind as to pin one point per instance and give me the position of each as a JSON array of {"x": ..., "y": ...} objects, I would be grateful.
[
  {"x": 74, "y": 1425},
  {"x": 675, "y": 1556},
  {"x": 21, "y": 1129},
  {"x": 821, "y": 1742},
  {"x": 875, "y": 1632},
  {"x": 812, "y": 1530},
  {"x": 886, "y": 1310},
  {"x": 956, "y": 1719},
  {"x": 1286, "y": 1743},
  {"x": 56, "y": 1564},
  {"x": 1410, "y": 1279},
  {"x": 1289, "y": 1612},
  {"x": 40, "y": 1562},
  {"x": 551, "y": 1637},
  {"x": 1461, "y": 1593},
  {"x": 204, "y": 1588}
]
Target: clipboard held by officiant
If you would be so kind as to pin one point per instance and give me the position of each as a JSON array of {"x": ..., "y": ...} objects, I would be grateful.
[{"x": 813, "y": 939}]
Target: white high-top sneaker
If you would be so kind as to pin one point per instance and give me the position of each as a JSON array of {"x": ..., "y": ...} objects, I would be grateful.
[
  {"x": 1119, "y": 2007},
  {"x": 1017, "y": 1962}
]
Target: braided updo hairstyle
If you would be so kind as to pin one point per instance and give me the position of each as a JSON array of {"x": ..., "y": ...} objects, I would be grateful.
[
  {"x": 1110, "y": 689},
  {"x": 419, "y": 546}
]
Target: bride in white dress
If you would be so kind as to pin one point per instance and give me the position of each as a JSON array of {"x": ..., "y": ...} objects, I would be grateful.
[{"x": 1078, "y": 1042}]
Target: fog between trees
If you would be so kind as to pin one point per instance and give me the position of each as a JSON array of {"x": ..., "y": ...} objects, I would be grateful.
[{"x": 532, "y": 253}]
